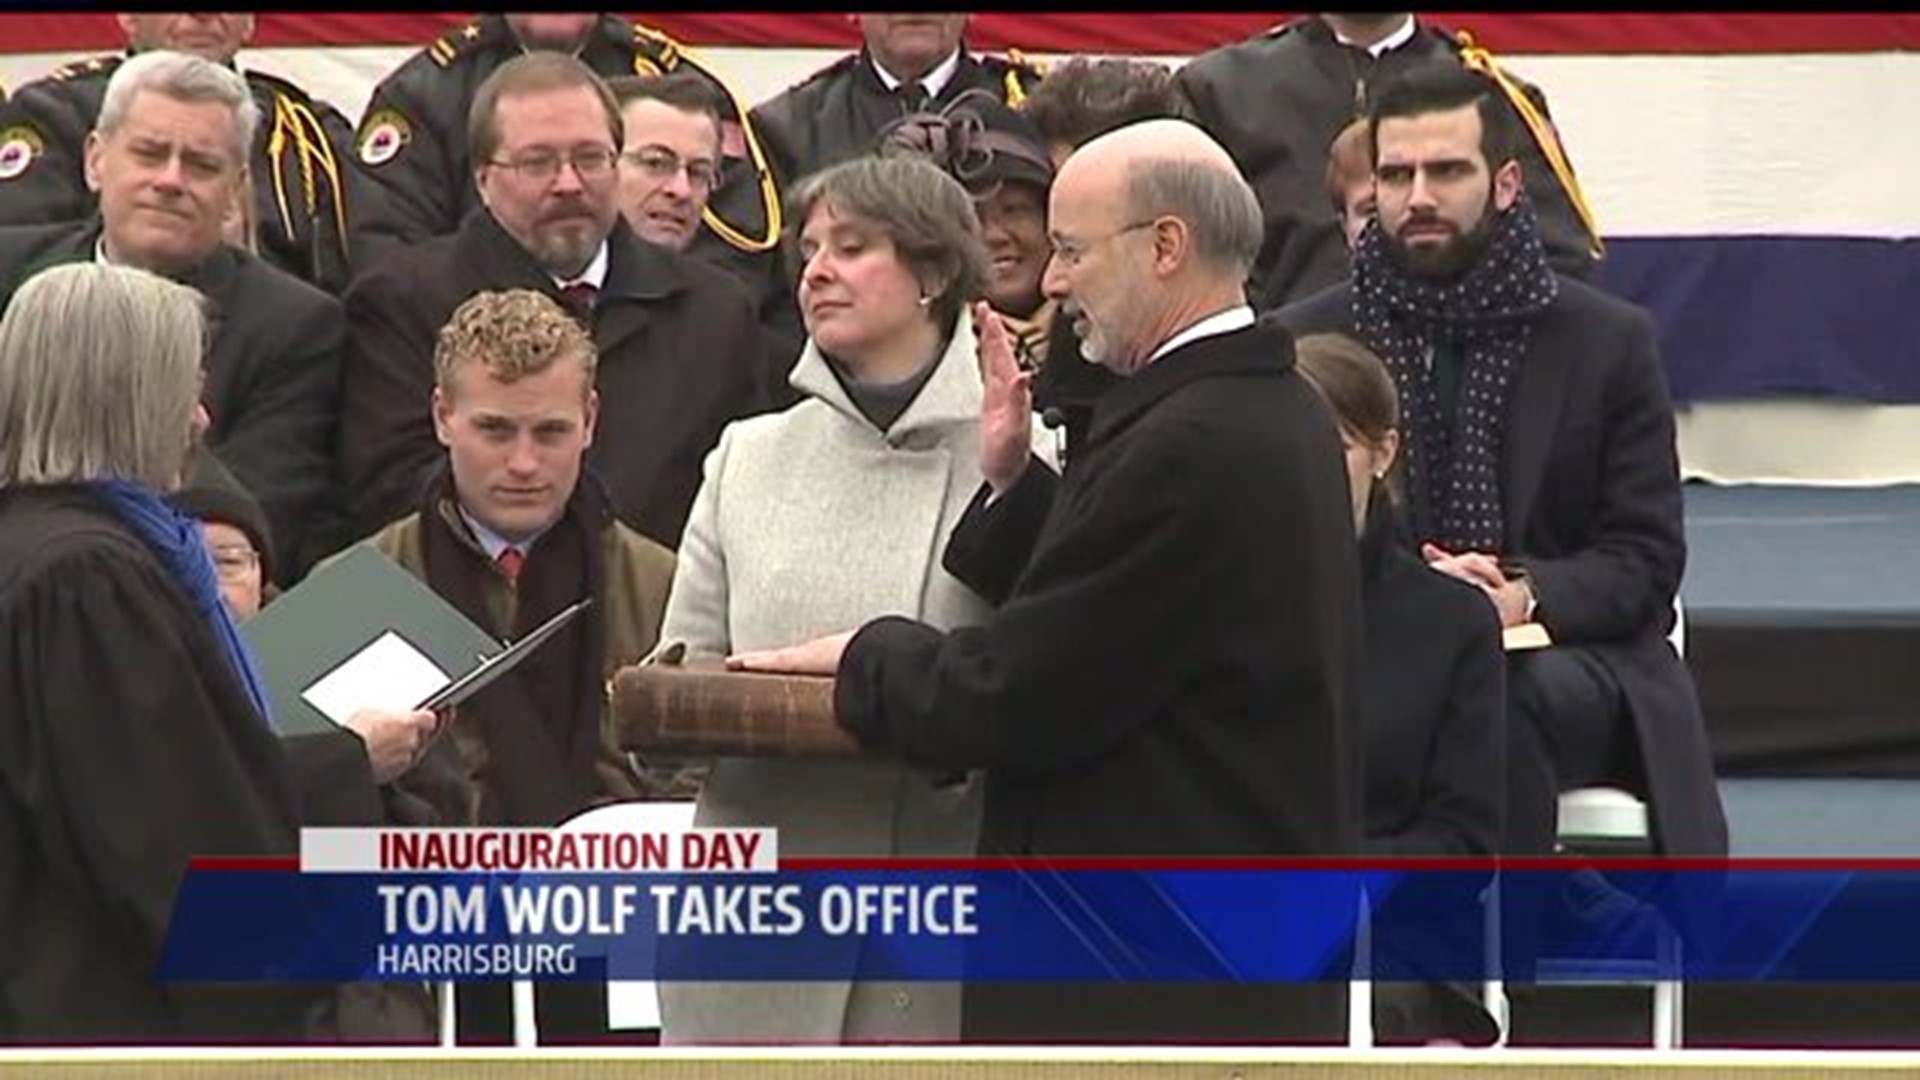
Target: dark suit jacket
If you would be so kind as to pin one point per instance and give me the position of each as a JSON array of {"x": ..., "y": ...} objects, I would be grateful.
[
  {"x": 680, "y": 355},
  {"x": 1170, "y": 674},
  {"x": 272, "y": 372},
  {"x": 1590, "y": 491},
  {"x": 1277, "y": 100}
]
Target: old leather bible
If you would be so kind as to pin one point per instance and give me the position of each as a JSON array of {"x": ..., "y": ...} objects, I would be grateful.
[{"x": 701, "y": 709}]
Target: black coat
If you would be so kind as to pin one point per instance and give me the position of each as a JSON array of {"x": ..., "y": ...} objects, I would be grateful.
[
  {"x": 272, "y": 371},
  {"x": 1276, "y": 102},
  {"x": 304, "y": 192},
  {"x": 1434, "y": 703},
  {"x": 838, "y": 112},
  {"x": 1590, "y": 493},
  {"x": 1171, "y": 672},
  {"x": 680, "y": 356},
  {"x": 426, "y": 178},
  {"x": 127, "y": 747}
]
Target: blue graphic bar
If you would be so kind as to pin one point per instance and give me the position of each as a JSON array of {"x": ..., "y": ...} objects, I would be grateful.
[{"x": 1037, "y": 923}]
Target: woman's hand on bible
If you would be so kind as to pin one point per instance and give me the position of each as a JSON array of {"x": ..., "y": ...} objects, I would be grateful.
[{"x": 821, "y": 656}]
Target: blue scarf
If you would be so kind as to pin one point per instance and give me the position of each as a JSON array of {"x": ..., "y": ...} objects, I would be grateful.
[{"x": 176, "y": 539}]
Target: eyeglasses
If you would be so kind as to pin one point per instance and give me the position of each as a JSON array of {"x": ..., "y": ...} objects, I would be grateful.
[
  {"x": 664, "y": 165},
  {"x": 543, "y": 166},
  {"x": 233, "y": 561},
  {"x": 1070, "y": 252}
]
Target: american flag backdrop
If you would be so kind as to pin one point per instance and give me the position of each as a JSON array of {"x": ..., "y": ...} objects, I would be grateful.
[{"x": 1753, "y": 174}]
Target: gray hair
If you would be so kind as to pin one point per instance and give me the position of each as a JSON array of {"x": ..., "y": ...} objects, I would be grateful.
[
  {"x": 182, "y": 77},
  {"x": 1216, "y": 203},
  {"x": 99, "y": 376},
  {"x": 927, "y": 215}
]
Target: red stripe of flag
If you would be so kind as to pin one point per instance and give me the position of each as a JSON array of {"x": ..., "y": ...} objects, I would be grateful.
[{"x": 1174, "y": 35}]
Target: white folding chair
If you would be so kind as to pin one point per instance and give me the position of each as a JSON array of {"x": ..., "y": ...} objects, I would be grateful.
[
  {"x": 1359, "y": 990},
  {"x": 1607, "y": 819},
  {"x": 632, "y": 1005}
]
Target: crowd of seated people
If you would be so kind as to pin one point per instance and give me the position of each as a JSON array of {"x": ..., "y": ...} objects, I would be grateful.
[{"x": 564, "y": 317}]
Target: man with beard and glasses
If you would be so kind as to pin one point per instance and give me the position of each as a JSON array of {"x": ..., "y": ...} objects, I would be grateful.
[
  {"x": 413, "y": 148},
  {"x": 680, "y": 352},
  {"x": 1539, "y": 459}
]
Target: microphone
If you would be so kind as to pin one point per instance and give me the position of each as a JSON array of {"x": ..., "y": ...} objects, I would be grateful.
[{"x": 1054, "y": 417}]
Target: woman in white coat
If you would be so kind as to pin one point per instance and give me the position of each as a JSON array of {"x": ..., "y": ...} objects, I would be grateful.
[{"x": 828, "y": 514}]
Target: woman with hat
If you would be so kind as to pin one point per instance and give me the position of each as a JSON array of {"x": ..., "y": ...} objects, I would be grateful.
[{"x": 1003, "y": 163}]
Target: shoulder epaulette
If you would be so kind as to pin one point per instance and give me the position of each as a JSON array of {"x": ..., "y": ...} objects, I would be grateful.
[
  {"x": 280, "y": 85},
  {"x": 448, "y": 46},
  {"x": 1477, "y": 57},
  {"x": 1017, "y": 74},
  {"x": 834, "y": 68},
  {"x": 88, "y": 68},
  {"x": 654, "y": 51}
]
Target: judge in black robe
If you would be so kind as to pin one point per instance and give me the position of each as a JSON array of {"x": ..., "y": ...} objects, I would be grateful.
[{"x": 128, "y": 746}]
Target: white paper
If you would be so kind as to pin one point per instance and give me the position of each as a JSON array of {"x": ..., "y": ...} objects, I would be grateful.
[{"x": 388, "y": 674}]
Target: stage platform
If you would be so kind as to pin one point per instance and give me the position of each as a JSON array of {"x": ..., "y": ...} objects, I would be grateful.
[
  {"x": 1012, "y": 1063},
  {"x": 1803, "y": 627}
]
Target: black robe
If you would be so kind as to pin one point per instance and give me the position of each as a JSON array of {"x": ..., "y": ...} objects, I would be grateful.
[
  {"x": 1171, "y": 672},
  {"x": 127, "y": 747}
]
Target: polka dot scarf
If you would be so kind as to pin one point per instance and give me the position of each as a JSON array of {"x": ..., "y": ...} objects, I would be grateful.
[{"x": 1451, "y": 472}]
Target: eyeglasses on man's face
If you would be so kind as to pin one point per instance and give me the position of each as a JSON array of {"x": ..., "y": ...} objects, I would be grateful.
[
  {"x": 661, "y": 166},
  {"x": 1069, "y": 251},
  {"x": 233, "y": 561},
  {"x": 543, "y": 166}
]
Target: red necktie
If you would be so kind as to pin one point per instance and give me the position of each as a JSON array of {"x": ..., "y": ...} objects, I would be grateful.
[
  {"x": 579, "y": 298},
  {"x": 510, "y": 561}
]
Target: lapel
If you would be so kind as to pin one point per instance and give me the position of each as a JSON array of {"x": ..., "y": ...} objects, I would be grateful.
[
  {"x": 639, "y": 276},
  {"x": 215, "y": 278},
  {"x": 1533, "y": 415}
]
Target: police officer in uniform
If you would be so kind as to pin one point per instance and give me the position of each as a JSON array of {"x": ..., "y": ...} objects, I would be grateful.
[
  {"x": 413, "y": 136},
  {"x": 1277, "y": 100},
  {"x": 909, "y": 63},
  {"x": 303, "y": 190}
]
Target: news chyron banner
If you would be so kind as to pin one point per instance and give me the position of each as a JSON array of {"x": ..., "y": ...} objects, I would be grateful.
[{"x": 721, "y": 904}]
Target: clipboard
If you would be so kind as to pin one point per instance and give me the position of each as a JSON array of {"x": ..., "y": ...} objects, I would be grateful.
[{"x": 498, "y": 664}]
